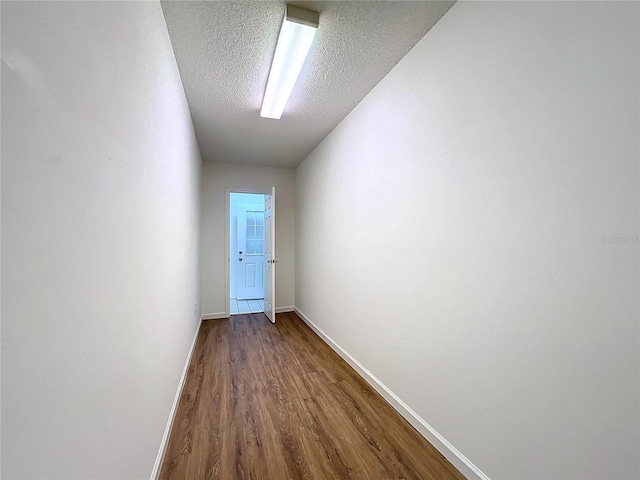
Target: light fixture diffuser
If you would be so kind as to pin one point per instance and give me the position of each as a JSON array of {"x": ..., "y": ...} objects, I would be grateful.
[{"x": 298, "y": 29}]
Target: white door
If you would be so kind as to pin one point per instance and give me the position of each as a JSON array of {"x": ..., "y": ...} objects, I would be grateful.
[
  {"x": 251, "y": 249},
  {"x": 269, "y": 256}
]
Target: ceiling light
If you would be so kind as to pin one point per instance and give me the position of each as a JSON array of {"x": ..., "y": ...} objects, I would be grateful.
[{"x": 296, "y": 35}]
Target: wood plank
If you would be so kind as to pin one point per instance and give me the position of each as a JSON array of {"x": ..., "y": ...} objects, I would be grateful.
[{"x": 274, "y": 402}]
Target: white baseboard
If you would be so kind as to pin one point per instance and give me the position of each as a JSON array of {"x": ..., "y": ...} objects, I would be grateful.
[
  {"x": 462, "y": 463},
  {"x": 167, "y": 431},
  {"x": 214, "y": 316},
  {"x": 285, "y": 309}
]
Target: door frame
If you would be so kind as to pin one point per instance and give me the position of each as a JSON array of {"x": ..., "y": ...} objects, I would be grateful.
[{"x": 227, "y": 241}]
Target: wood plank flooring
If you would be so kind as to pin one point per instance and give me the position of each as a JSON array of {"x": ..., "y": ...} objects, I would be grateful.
[{"x": 274, "y": 402}]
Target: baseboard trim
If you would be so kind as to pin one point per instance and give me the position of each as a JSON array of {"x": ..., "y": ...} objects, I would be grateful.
[
  {"x": 285, "y": 309},
  {"x": 214, "y": 316},
  {"x": 167, "y": 431},
  {"x": 462, "y": 463}
]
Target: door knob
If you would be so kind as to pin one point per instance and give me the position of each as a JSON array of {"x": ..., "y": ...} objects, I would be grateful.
[{"x": 240, "y": 259}]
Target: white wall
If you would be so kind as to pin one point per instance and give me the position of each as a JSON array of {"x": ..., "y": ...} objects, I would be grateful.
[
  {"x": 216, "y": 178},
  {"x": 450, "y": 236},
  {"x": 100, "y": 212},
  {"x": 238, "y": 200}
]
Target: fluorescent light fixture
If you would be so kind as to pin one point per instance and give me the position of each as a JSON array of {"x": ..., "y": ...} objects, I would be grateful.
[{"x": 296, "y": 35}]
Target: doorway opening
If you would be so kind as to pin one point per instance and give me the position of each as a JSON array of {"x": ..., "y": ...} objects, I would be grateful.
[{"x": 246, "y": 252}]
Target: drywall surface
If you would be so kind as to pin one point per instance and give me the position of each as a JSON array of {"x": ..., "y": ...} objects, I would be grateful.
[
  {"x": 216, "y": 178},
  {"x": 100, "y": 217},
  {"x": 469, "y": 233}
]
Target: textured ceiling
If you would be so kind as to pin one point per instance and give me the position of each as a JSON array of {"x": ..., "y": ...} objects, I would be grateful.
[{"x": 224, "y": 51}]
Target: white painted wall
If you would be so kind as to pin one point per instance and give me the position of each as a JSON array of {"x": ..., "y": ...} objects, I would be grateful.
[
  {"x": 236, "y": 202},
  {"x": 216, "y": 178},
  {"x": 450, "y": 236},
  {"x": 100, "y": 212}
]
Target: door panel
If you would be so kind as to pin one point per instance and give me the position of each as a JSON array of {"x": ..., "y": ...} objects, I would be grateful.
[
  {"x": 270, "y": 259},
  {"x": 250, "y": 284}
]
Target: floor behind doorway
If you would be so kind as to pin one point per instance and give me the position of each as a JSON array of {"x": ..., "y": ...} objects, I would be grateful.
[{"x": 247, "y": 306}]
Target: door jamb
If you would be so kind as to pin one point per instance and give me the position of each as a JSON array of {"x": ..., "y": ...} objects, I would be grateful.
[{"x": 227, "y": 242}]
